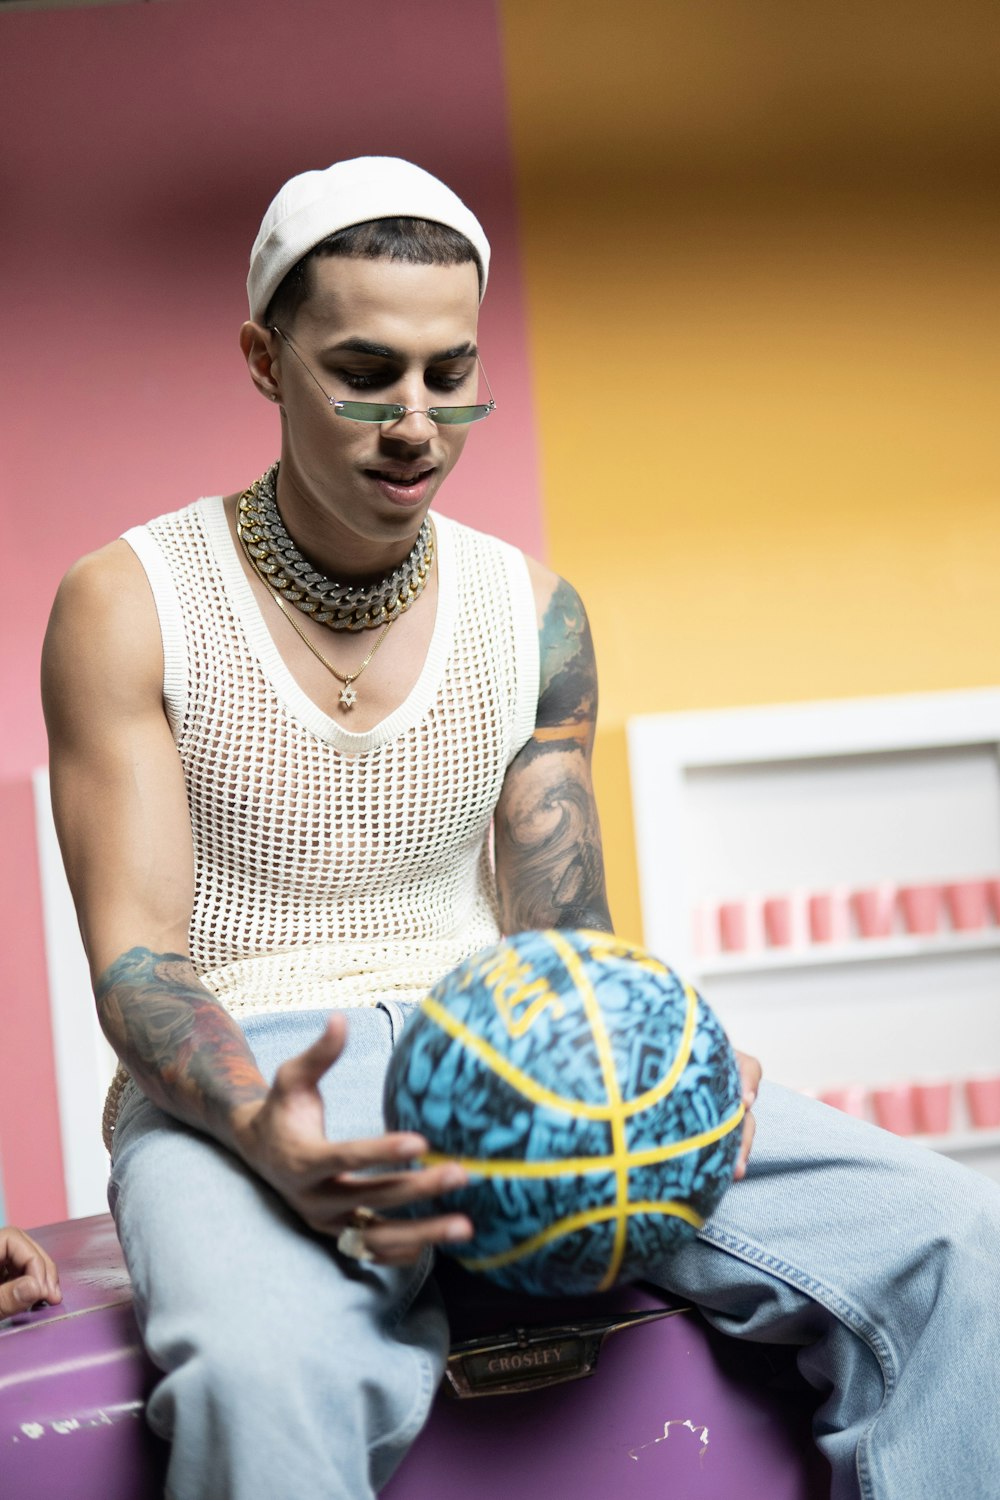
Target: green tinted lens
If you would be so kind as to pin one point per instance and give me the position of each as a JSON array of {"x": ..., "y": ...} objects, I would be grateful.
[
  {"x": 457, "y": 416},
  {"x": 368, "y": 411}
]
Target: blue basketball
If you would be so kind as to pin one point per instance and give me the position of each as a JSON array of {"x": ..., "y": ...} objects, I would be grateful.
[{"x": 593, "y": 1097}]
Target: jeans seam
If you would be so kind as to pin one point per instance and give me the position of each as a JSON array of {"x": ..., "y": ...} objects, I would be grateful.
[
  {"x": 406, "y": 1430},
  {"x": 412, "y": 1290},
  {"x": 842, "y": 1310},
  {"x": 825, "y": 1295}
]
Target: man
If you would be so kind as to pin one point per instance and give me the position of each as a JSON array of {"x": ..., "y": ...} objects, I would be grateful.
[{"x": 264, "y": 815}]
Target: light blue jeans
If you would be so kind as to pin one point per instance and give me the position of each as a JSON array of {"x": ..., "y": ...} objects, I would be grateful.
[
  {"x": 881, "y": 1260},
  {"x": 291, "y": 1373},
  {"x": 294, "y": 1375}
]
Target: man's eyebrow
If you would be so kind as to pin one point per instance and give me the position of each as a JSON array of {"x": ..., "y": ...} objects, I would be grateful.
[{"x": 383, "y": 351}]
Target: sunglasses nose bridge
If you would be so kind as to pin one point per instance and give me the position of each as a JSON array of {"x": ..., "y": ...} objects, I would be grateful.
[{"x": 392, "y": 426}]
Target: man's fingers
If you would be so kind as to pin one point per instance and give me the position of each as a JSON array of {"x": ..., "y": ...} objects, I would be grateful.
[
  {"x": 24, "y": 1264},
  {"x": 329, "y": 1204},
  {"x": 749, "y": 1126},
  {"x": 17, "y": 1296},
  {"x": 306, "y": 1070},
  {"x": 400, "y": 1242},
  {"x": 378, "y": 1151},
  {"x": 750, "y": 1075},
  {"x": 410, "y": 1187},
  {"x": 325, "y": 1167}
]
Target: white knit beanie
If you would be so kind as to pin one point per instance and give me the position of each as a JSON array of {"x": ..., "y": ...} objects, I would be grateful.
[{"x": 316, "y": 204}]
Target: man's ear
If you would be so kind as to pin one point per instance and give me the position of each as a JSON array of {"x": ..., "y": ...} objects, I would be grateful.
[{"x": 260, "y": 350}]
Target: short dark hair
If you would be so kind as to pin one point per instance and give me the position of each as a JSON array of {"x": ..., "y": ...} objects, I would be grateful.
[{"x": 419, "y": 241}]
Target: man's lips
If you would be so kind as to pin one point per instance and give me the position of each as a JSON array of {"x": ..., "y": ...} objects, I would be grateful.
[
  {"x": 403, "y": 477},
  {"x": 386, "y": 471},
  {"x": 402, "y": 484}
]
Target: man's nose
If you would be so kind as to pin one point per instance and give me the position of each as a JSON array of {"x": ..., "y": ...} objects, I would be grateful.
[{"x": 414, "y": 427}]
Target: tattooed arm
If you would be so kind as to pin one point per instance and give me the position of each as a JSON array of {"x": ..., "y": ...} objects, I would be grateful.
[
  {"x": 176, "y": 1040},
  {"x": 550, "y": 866},
  {"x": 121, "y": 813}
]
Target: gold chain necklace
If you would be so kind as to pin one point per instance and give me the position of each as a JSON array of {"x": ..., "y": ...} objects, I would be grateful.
[
  {"x": 340, "y": 606},
  {"x": 348, "y": 696}
]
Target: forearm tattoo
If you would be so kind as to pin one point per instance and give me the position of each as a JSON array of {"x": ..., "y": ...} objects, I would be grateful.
[
  {"x": 176, "y": 1040},
  {"x": 547, "y": 828}
]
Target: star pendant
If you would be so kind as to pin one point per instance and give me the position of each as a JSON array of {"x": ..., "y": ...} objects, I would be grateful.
[{"x": 348, "y": 697}]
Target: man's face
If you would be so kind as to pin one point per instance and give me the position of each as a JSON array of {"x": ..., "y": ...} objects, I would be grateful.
[{"x": 376, "y": 331}]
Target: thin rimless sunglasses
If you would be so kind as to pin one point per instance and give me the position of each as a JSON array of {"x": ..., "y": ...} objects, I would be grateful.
[{"x": 391, "y": 411}]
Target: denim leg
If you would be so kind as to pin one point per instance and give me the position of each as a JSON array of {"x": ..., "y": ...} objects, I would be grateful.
[
  {"x": 880, "y": 1259},
  {"x": 289, "y": 1372}
]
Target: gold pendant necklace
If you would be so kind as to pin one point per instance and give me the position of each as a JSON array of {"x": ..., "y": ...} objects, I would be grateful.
[{"x": 348, "y": 696}]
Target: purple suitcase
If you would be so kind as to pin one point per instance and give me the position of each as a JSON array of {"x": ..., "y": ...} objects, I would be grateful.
[
  {"x": 670, "y": 1408},
  {"x": 74, "y": 1380}
]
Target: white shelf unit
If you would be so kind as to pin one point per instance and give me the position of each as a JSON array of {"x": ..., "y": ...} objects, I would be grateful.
[
  {"x": 743, "y": 804},
  {"x": 856, "y": 951}
]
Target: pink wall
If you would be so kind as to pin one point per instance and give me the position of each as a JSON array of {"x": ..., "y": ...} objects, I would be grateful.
[
  {"x": 30, "y": 1146},
  {"x": 142, "y": 144}
]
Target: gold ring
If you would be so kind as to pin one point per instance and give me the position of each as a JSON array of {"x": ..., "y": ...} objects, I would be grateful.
[{"x": 351, "y": 1239}]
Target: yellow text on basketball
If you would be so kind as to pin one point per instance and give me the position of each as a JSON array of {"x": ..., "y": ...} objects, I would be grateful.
[
  {"x": 519, "y": 999},
  {"x": 602, "y": 946}
]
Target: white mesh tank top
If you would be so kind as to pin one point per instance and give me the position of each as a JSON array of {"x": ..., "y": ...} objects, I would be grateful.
[{"x": 334, "y": 868}]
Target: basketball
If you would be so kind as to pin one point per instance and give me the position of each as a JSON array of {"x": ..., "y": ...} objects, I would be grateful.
[{"x": 592, "y": 1096}]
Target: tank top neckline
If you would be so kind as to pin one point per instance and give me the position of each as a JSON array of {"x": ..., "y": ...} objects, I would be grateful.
[{"x": 246, "y": 607}]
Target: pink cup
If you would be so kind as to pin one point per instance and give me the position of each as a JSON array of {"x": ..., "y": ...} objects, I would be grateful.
[
  {"x": 932, "y": 1107},
  {"x": 993, "y": 896},
  {"x": 921, "y": 907},
  {"x": 778, "y": 921},
  {"x": 982, "y": 1095},
  {"x": 828, "y": 917},
  {"x": 733, "y": 926},
  {"x": 894, "y": 1110},
  {"x": 850, "y": 1099},
  {"x": 874, "y": 909},
  {"x": 966, "y": 904},
  {"x": 704, "y": 931}
]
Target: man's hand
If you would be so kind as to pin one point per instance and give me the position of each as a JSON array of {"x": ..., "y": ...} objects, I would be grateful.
[
  {"x": 282, "y": 1140},
  {"x": 27, "y": 1274},
  {"x": 750, "y": 1073}
]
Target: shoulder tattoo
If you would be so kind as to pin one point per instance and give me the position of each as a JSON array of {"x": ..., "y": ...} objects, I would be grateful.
[{"x": 568, "y": 683}]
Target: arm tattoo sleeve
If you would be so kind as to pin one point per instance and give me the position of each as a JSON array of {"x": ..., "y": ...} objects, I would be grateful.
[
  {"x": 547, "y": 829},
  {"x": 176, "y": 1040}
]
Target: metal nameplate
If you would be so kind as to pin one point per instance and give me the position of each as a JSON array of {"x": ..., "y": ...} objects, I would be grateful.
[{"x": 526, "y": 1358}]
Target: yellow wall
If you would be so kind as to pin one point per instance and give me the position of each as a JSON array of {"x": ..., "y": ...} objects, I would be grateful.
[{"x": 762, "y": 261}]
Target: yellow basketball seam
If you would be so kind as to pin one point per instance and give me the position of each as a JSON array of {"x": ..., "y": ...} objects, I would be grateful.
[
  {"x": 522, "y": 1082},
  {"x": 571, "y": 1224},
  {"x": 605, "y": 944},
  {"x": 691, "y": 1143},
  {"x": 581, "y": 1166},
  {"x": 605, "y": 1053},
  {"x": 576, "y": 1109}
]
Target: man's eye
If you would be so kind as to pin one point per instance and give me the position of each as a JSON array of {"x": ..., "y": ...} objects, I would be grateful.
[
  {"x": 448, "y": 382},
  {"x": 445, "y": 381},
  {"x": 362, "y": 380}
]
